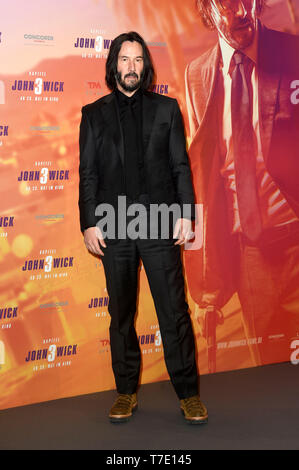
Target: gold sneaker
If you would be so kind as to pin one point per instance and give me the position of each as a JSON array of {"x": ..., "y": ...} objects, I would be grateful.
[
  {"x": 123, "y": 407},
  {"x": 194, "y": 410}
]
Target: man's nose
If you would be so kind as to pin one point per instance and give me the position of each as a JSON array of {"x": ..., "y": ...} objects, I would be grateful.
[{"x": 131, "y": 66}]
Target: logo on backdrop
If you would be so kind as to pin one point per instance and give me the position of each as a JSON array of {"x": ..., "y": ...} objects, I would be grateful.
[
  {"x": 51, "y": 354},
  {"x": 38, "y": 87},
  {"x": 49, "y": 218},
  {"x": 161, "y": 88},
  {"x": 94, "y": 88},
  {"x": 150, "y": 341},
  {"x": 99, "y": 44},
  {"x": 3, "y": 133},
  {"x": 50, "y": 306},
  {"x": 239, "y": 343},
  {"x": 156, "y": 44},
  {"x": 7, "y": 315},
  {"x": 50, "y": 266},
  {"x": 3, "y": 130},
  {"x": 99, "y": 303},
  {"x": 150, "y": 338},
  {"x": 7, "y": 221},
  {"x": 44, "y": 177},
  {"x": 45, "y": 129},
  {"x": 93, "y": 47},
  {"x": 6, "y": 224},
  {"x": 39, "y": 39},
  {"x": 96, "y": 302}
]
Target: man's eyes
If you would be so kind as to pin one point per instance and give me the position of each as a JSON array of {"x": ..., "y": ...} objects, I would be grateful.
[{"x": 125, "y": 59}]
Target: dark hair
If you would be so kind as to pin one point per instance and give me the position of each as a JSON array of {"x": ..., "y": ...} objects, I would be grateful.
[
  {"x": 204, "y": 11},
  {"x": 111, "y": 63}
]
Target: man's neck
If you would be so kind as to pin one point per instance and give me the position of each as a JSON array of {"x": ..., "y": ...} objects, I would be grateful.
[
  {"x": 129, "y": 94},
  {"x": 227, "y": 51}
]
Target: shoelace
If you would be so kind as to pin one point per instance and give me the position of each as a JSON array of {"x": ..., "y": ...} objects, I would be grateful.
[
  {"x": 123, "y": 401},
  {"x": 193, "y": 402}
]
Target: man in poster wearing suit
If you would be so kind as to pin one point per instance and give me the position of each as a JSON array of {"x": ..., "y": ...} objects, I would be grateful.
[
  {"x": 244, "y": 158},
  {"x": 132, "y": 144}
]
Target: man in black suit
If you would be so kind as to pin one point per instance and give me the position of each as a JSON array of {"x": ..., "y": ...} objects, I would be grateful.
[
  {"x": 132, "y": 144},
  {"x": 244, "y": 157}
]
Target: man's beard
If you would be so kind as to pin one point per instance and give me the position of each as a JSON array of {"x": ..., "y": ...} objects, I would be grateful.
[
  {"x": 129, "y": 86},
  {"x": 241, "y": 34}
]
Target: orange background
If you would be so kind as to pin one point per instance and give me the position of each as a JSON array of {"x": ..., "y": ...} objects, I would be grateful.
[{"x": 44, "y": 134}]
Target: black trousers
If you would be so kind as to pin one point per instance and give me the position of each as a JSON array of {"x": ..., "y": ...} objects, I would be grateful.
[{"x": 162, "y": 263}]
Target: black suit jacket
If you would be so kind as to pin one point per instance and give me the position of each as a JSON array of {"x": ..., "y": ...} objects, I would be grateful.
[
  {"x": 210, "y": 271},
  {"x": 101, "y": 169}
]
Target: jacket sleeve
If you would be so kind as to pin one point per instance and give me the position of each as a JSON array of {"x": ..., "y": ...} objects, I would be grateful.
[
  {"x": 179, "y": 163},
  {"x": 88, "y": 174}
]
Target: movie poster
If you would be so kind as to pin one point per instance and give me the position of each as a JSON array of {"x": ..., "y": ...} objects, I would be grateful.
[{"x": 54, "y": 320}]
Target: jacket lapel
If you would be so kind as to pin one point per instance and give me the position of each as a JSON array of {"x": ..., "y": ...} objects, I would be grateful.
[
  {"x": 269, "y": 73},
  {"x": 207, "y": 84},
  {"x": 112, "y": 120},
  {"x": 149, "y": 109}
]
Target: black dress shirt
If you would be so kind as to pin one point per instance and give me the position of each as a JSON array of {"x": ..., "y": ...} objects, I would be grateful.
[{"x": 130, "y": 112}]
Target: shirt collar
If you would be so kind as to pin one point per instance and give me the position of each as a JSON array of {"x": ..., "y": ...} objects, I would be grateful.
[
  {"x": 227, "y": 52},
  {"x": 122, "y": 98}
]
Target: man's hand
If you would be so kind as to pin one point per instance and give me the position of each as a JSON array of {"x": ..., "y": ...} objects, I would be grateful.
[
  {"x": 201, "y": 318},
  {"x": 93, "y": 238},
  {"x": 183, "y": 231}
]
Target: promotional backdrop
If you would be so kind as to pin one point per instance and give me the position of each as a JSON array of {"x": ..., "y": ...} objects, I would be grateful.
[{"x": 54, "y": 320}]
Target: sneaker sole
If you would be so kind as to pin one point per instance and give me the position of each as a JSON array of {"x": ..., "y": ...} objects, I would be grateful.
[
  {"x": 122, "y": 418},
  {"x": 195, "y": 420}
]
